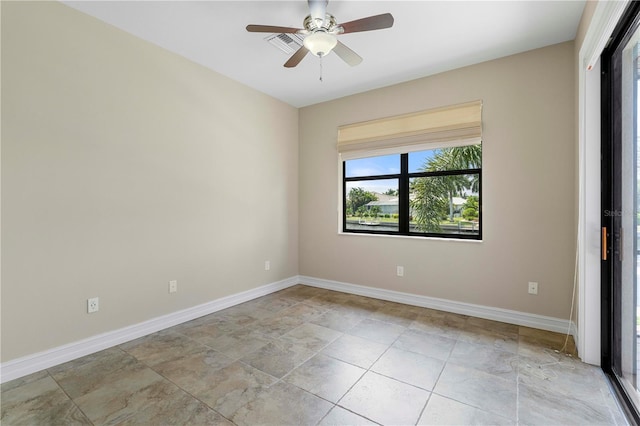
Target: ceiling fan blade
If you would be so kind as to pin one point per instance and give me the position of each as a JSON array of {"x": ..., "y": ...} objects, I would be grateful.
[
  {"x": 347, "y": 55},
  {"x": 297, "y": 57},
  {"x": 271, "y": 29},
  {"x": 318, "y": 9},
  {"x": 376, "y": 22}
]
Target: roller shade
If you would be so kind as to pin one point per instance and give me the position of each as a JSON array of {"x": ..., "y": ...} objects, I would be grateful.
[{"x": 453, "y": 125}]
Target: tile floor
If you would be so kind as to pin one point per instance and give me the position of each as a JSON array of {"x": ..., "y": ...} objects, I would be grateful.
[{"x": 307, "y": 356}]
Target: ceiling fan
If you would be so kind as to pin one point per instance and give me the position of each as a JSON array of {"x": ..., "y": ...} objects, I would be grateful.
[{"x": 321, "y": 30}]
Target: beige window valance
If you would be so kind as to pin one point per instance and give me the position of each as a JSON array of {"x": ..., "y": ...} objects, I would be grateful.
[{"x": 449, "y": 126}]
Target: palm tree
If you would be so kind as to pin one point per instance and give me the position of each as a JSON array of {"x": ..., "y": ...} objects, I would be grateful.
[{"x": 430, "y": 193}]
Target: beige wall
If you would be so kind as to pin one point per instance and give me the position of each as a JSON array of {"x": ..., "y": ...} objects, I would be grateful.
[
  {"x": 123, "y": 167},
  {"x": 528, "y": 189}
]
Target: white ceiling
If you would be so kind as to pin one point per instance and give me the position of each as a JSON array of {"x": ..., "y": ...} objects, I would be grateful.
[{"x": 427, "y": 37}]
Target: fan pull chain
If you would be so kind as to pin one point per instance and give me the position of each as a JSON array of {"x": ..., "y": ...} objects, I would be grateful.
[{"x": 321, "y": 55}]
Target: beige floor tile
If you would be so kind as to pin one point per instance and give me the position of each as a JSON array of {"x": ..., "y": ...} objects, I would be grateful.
[
  {"x": 304, "y": 312},
  {"x": 277, "y": 325},
  {"x": 325, "y": 377},
  {"x": 302, "y": 292},
  {"x": 282, "y": 404},
  {"x": 385, "y": 401},
  {"x": 38, "y": 401},
  {"x": 439, "y": 325},
  {"x": 279, "y": 357},
  {"x": 328, "y": 300},
  {"x": 426, "y": 344},
  {"x": 435, "y": 313},
  {"x": 497, "y": 339},
  {"x": 535, "y": 343},
  {"x": 274, "y": 302},
  {"x": 194, "y": 371},
  {"x": 409, "y": 367},
  {"x": 6, "y": 386},
  {"x": 231, "y": 387},
  {"x": 312, "y": 336},
  {"x": 181, "y": 410},
  {"x": 212, "y": 326},
  {"x": 501, "y": 327},
  {"x": 237, "y": 344},
  {"x": 396, "y": 313},
  {"x": 338, "y": 320},
  {"x": 485, "y": 358},
  {"x": 160, "y": 347},
  {"x": 479, "y": 389},
  {"x": 142, "y": 394},
  {"x": 378, "y": 331},
  {"x": 355, "y": 350},
  {"x": 246, "y": 312},
  {"x": 543, "y": 407},
  {"x": 83, "y": 375},
  {"x": 338, "y": 416},
  {"x": 360, "y": 306},
  {"x": 564, "y": 375},
  {"x": 364, "y": 304},
  {"x": 445, "y": 411}
]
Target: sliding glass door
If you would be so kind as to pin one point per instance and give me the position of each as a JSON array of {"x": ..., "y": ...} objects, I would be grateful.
[{"x": 620, "y": 219}]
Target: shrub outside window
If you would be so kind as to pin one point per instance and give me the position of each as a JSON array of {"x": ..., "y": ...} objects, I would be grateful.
[{"x": 430, "y": 193}]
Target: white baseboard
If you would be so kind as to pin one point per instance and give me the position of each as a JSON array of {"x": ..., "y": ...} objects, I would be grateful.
[
  {"x": 29, "y": 364},
  {"x": 497, "y": 314}
]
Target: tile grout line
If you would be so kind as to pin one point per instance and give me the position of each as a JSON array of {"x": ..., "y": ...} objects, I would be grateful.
[
  {"x": 190, "y": 394},
  {"x": 367, "y": 371},
  {"x": 437, "y": 380},
  {"x": 150, "y": 367},
  {"x": 69, "y": 396}
]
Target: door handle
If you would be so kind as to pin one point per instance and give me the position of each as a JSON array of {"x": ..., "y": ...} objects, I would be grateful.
[{"x": 604, "y": 243}]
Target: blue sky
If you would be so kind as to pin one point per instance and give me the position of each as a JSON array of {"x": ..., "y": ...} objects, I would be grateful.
[
  {"x": 387, "y": 164},
  {"x": 383, "y": 165}
]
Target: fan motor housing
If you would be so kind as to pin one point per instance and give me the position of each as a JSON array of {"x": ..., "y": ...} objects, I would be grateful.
[{"x": 329, "y": 24}]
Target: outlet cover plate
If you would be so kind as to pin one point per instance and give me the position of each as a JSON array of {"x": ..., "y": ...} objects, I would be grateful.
[
  {"x": 173, "y": 286},
  {"x": 93, "y": 305},
  {"x": 533, "y": 287}
]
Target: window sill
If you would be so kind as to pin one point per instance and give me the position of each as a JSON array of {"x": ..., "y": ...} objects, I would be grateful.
[{"x": 411, "y": 237}]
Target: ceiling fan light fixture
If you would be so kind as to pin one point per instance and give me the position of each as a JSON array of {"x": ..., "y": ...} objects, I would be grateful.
[{"x": 320, "y": 43}]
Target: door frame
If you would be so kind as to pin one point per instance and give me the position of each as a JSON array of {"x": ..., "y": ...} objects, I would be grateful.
[{"x": 611, "y": 203}]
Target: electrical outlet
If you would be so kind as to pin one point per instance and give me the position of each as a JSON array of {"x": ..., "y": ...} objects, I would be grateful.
[
  {"x": 173, "y": 286},
  {"x": 533, "y": 288},
  {"x": 400, "y": 271},
  {"x": 267, "y": 265},
  {"x": 92, "y": 305}
]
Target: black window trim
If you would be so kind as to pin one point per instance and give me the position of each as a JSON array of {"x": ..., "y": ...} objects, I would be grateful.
[{"x": 404, "y": 178}]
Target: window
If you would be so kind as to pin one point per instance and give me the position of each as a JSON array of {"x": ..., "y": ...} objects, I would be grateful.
[
  {"x": 431, "y": 193},
  {"x": 417, "y": 174}
]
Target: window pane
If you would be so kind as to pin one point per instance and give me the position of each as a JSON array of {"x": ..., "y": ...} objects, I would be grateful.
[
  {"x": 372, "y": 205},
  {"x": 373, "y": 166},
  {"x": 444, "y": 159},
  {"x": 445, "y": 205}
]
